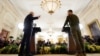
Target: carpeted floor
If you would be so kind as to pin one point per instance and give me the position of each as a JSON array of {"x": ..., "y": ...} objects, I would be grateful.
[{"x": 50, "y": 55}]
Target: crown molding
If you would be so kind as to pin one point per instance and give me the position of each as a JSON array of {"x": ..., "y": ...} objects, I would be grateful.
[
  {"x": 16, "y": 8},
  {"x": 89, "y": 8},
  {"x": 8, "y": 6}
]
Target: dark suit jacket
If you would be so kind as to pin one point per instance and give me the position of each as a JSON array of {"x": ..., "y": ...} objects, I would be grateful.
[
  {"x": 72, "y": 19},
  {"x": 28, "y": 22}
]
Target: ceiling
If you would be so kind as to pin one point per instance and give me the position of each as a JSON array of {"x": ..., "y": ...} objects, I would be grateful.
[{"x": 47, "y": 21}]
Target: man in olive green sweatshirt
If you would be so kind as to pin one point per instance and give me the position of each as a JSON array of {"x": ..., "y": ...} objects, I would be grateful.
[{"x": 73, "y": 21}]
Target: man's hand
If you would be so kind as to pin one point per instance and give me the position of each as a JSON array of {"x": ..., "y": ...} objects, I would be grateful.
[{"x": 38, "y": 16}]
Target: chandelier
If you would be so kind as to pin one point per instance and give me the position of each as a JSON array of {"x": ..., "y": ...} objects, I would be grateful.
[{"x": 50, "y": 5}]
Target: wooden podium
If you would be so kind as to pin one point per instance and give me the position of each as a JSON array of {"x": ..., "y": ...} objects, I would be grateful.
[
  {"x": 32, "y": 40},
  {"x": 32, "y": 45},
  {"x": 72, "y": 47}
]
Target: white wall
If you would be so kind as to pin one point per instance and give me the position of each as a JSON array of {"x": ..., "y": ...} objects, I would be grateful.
[
  {"x": 8, "y": 18},
  {"x": 89, "y": 14}
]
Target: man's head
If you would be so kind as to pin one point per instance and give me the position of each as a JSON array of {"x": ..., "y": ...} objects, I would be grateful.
[
  {"x": 70, "y": 12},
  {"x": 32, "y": 13}
]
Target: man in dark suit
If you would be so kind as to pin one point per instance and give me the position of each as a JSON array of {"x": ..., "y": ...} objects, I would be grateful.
[
  {"x": 73, "y": 21},
  {"x": 25, "y": 43}
]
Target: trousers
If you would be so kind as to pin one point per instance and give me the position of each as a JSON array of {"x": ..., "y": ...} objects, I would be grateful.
[
  {"x": 25, "y": 43},
  {"x": 76, "y": 34}
]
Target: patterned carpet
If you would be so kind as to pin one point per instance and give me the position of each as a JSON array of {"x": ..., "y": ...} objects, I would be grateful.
[{"x": 50, "y": 55}]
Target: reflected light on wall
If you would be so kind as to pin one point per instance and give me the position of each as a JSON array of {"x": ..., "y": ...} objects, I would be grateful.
[
  {"x": 81, "y": 26},
  {"x": 65, "y": 35},
  {"x": 20, "y": 26}
]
